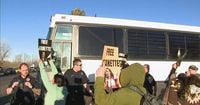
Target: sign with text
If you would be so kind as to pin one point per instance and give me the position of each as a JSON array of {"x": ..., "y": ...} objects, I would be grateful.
[
  {"x": 110, "y": 59},
  {"x": 45, "y": 48}
]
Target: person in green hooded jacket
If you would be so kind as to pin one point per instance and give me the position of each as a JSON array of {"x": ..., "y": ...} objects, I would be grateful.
[
  {"x": 54, "y": 84},
  {"x": 131, "y": 76}
]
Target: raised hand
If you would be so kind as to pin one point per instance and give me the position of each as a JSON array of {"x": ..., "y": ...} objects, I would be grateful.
[{"x": 100, "y": 72}]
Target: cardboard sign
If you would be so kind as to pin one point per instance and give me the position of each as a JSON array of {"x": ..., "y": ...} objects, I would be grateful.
[
  {"x": 112, "y": 63},
  {"x": 110, "y": 59},
  {"x": 44, "y": 47}
]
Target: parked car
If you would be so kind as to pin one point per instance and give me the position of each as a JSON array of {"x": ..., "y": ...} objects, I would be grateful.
[
  {"x": 1, "y": 71},
  {"x": 9, "y": 71},
  {"x": 33, "y": 69}
]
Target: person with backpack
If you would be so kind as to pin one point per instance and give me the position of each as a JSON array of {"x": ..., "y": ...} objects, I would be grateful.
[
  {"x": 22, "y": 87},
  {"x": 133, "y": 75}
]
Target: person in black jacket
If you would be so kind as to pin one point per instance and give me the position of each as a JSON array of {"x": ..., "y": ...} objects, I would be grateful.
[
  {"x": 76, "y": 82},
  {"x": 22, "y": 87},
  {"x": 149, "y": 83}
]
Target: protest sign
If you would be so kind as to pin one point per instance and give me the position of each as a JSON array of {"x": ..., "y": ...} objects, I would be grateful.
[
  {"x": 112, "y": 63},
  {"x": 110, "y": 59},
  {"x": 45, "y": 48}
]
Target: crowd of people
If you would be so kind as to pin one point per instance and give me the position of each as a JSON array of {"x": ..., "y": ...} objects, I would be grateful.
[
  {"x": 71, "y": 87},
  {"x": 183, "y": 89}
]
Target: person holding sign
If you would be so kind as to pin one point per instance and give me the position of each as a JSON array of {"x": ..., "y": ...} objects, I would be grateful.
[
  {"x": 133, "y": 75},
  {"x": 56, "y": 90}
]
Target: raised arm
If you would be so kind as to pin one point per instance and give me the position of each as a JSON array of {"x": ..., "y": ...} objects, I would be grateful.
[
  {"x": 53, "y": 67},
  {"x": 171, "y": 76},
  {"x": 100, "y": 93},
  {"x": 47, "y": 83}
]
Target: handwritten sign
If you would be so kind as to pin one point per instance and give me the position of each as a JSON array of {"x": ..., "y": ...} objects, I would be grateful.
[
  {"x": 44, "y": 47},
  {"x": 110, "y": 59}
]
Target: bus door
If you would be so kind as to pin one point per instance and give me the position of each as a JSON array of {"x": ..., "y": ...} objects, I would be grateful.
[{"x": 62, "y": 45}]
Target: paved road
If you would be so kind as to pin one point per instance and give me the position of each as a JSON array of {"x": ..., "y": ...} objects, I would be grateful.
[{"x": 4, "y": 81}]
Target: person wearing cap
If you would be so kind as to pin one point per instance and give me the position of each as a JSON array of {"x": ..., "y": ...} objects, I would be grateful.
[
  {"x": 133, "y": 75},
  {"x": 192, "y": 69},
  {"x": 123, "y": 57}
]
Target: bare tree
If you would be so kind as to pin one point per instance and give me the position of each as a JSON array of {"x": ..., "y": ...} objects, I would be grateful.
[
  {"x": 18, "y": 58},
  {"x": 27, "y": 58},
  {"x": 22, "y": 58},
  {"x": 34, "y": 60},
  {"x": 4, "y": 51},
  {"x": 78, "y": 11}
]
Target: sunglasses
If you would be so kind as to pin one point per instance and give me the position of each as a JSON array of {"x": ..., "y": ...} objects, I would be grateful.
[{"x": 79, "y": 65}]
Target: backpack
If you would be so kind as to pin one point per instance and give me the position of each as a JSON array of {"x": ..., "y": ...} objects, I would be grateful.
[{"x": 147, "y": 99}]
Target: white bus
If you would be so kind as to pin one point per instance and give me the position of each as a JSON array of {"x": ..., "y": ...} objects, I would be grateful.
[{"x": 150, "y": 43}]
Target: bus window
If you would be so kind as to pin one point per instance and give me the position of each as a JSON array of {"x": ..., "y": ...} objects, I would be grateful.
[
  {"x": 145, "y": 44},
  {"x": 185, "y": 41},
  {"x": 92, "y": 39},
  {"x": 64, "y": 32}
]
